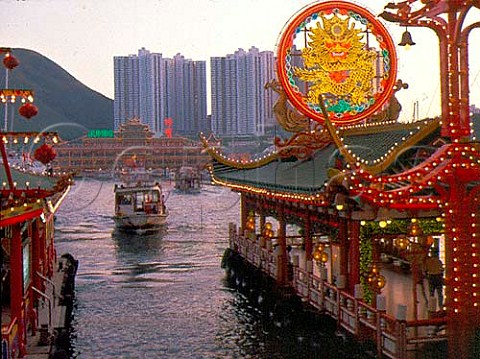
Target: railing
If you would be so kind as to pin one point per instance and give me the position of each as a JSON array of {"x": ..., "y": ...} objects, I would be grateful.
[
  {"x": 261, "y": 257},
  {"x": 394, "y": 337},
  {"x": 10, "y": 335}
]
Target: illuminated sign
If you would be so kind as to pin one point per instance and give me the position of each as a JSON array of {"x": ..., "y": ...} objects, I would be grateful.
[
  {"x": 338, "y": 56},
  {"x": 100, "y": 133},
  {"x": 168, "y": 122}
]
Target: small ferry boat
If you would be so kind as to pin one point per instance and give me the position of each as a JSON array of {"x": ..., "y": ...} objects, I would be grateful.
[
  {"x": 139, "y": 206},
  {"x": 187, "y": 180}
]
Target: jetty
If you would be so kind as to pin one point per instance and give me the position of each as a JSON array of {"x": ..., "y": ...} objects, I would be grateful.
[
  {"x": 349, "y": 210},
  {"x": 36, "y": 286}
]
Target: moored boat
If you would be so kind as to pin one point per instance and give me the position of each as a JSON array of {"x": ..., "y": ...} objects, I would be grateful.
[{"x": 139, "y": 206}]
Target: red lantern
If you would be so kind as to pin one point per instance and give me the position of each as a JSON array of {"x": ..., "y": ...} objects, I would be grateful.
[
  {"x": 28, "y": 110},
  {"x": 45, "y": 154},
  {"x": 10, "y": 61}
]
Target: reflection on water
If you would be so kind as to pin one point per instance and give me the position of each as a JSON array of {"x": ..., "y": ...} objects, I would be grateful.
[
  {"x": 138, "y": 244},
  {"x": 164, "y": 294}
]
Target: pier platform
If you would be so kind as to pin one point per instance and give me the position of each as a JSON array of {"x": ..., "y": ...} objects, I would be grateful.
[
  {"x": 400, "y": 291},
  {"x": 399, "y": 319},
  {"x": 50, "y": 337}
]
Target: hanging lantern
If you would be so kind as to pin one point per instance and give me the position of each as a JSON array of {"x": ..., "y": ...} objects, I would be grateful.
[
  {"x": 380, "y": 282},
  {"x": 320, "y": 255},
  {"x": 324, "y": 257},
  {"x": 415, "y": 230},
  {"x": 45, "y": 154},
  {"x": 251, "y": 222},
  {"x": 401, "y": 243},
  {"x": 10, "y": 61},
  {"x": 267, "y": 231},
  {"x": 382, "y": 224},
  {"x": 28, "y": 110}
]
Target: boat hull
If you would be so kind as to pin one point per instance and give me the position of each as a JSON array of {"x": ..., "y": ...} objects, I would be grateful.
[{"x": 140, "y": 222}]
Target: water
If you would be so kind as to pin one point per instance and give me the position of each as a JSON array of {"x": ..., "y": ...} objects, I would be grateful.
[{"x": 164, "y": 295}]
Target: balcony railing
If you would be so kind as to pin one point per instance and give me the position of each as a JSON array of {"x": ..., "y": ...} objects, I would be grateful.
[{"x": 394, "y": 338}]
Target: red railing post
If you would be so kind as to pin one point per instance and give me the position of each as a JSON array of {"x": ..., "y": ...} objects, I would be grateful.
[{"x": 381, "y": 310}]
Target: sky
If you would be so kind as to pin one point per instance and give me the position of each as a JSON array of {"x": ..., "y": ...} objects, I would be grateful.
[{"x": 83, "y": 36}]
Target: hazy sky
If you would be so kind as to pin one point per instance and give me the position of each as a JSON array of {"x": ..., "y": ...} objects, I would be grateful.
[{"x": 83, "y": 36}]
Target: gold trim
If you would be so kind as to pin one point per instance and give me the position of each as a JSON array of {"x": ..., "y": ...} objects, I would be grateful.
[
  {"x": 385, "y": 126},
  {"x": 389, "y": 158},
  {"x": 215, "y": 154},
  {"x": 318, "y": 198},
  {"x": 19, "y": 209}
]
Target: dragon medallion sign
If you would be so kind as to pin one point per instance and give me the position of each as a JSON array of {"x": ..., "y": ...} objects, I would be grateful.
[{"x": 338, "y": 52}]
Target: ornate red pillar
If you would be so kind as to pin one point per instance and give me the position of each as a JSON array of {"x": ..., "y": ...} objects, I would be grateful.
[
  {"x": 50, "y": 245},
  {"x": 16, "y": 282},
  {"x": 6, "y": 166},
  {"x": 353, "y": 254},
  {"x": 464, "y": 78},
  {"x": 453, "y": 55},
  {"x": 243, "y": 212},
  {"x": 36, "y": 255},
  {"x": 462, "y": 266},
  {"x": 343, "y": 239},
  {"x": 454, "y": 64}
]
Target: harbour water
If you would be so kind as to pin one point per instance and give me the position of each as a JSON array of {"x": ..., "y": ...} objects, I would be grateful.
[{"x": 164, "y": 295}]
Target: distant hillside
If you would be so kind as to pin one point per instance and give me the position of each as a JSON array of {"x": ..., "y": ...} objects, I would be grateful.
[{"x": 63, "y": 102}]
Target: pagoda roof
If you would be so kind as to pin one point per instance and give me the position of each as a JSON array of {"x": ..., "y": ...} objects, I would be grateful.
[
  {"x": 299, "y": 176},
  {"x": 35, "y": 180},
  {"x": 377, "y": 146}
]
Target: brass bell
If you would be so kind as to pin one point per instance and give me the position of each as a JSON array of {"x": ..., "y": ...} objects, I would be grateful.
[{"x": 406, "y": 39}]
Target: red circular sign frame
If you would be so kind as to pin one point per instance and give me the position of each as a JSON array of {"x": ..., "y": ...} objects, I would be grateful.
[{"x": 375, "y": 27}]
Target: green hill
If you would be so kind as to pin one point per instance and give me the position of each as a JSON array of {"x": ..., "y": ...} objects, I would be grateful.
[{"x": 64, "y": 104}]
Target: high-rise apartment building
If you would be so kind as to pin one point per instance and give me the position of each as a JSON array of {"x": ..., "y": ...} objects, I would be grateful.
[
  {"x": 187, "y": 95},
  {"x": 240, "y": 103},
  {"x": 154, "y": 88}
]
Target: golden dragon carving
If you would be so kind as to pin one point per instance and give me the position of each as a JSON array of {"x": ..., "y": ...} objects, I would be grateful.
[
  {"x": 303, "y": 145},
  {"x": 290, "y": 120}
]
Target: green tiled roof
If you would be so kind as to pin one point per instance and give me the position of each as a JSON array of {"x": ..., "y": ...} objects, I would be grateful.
[
  {"x": 295, "y": 176},
  {"x": 306, "y": 176},
  {"x": 372, "y": 146}
]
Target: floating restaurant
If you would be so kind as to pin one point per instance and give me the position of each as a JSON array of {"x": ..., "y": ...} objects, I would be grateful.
[
  {"x": 36, "y": 286},
  {"x": 134, "y": 144},
  {"x": 354, "y": 194}
]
